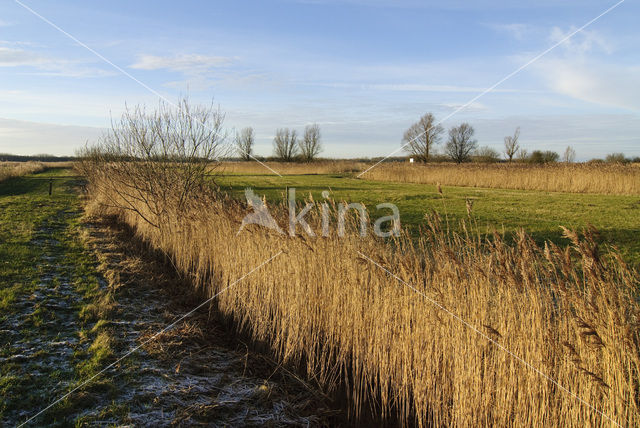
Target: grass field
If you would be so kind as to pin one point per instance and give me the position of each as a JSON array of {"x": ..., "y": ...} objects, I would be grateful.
[{"x": 541, "y": 214}]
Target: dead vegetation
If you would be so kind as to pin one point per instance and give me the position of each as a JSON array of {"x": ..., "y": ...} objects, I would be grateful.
[
  {"x": 16, "y": 169},
  {"x": 616, "y": 179},
  {"x": 569, "y": 312}
]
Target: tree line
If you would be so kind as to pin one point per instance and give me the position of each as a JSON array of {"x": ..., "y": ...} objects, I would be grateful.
[
  {"x": 421, "y": 138},
  {"x": 287, "y": 146}
]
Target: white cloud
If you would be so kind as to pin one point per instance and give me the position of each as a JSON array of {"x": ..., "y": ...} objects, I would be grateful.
[
  {"x": 10, "y": 57},
  {"x": 184, "y": 63},
  {"x": 13, "y": 55},
  {"x": 418, "y": 87},
  {"x": 610, "y": 85},
  {"x": 584, "y": 42},
  {"x": 584, "y": 69},
  {"x": 516, "y": 30}
]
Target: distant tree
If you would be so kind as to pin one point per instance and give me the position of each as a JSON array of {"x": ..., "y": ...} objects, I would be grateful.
[
  {"x": 569, "y": 155},
  {"x": 420, "y": 138},
  {"x": 616, "y": 158},
  {"x": 244, "y": 143},
  {"x": 486, "y": 154},
  {"x": 511, "y": 145},
  {"x": 523, "y": 155},
  {"x": 310, "y": 146},
  {"x": 538, "y": 156},
  {"x": 285, "y": 144},
  {"x": 461, "y": 142}
]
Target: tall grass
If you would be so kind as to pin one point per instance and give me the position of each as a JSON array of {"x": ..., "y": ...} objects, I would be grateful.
[
  {"x": 569, "y": 312},
  {"x": 318, "y": 167},
  {"x": 15, "y": 169},
  {"x": 580, "y": 178}
]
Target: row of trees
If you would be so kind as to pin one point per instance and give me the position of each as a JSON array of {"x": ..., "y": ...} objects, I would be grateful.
[
  {"x": 422, "y": 137},
  {"x": 286, "y": 144}
]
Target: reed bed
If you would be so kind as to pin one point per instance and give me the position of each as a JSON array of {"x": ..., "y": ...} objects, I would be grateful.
[
  {"x": 615, "y": 179},
  {"x": 16, "y": 169},
  {"x": 569, "y": 312},
  {"x": 292, "y": 168}
]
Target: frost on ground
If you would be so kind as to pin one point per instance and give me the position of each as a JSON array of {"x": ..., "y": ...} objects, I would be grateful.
[
  {"x": 88, "y": 293},
  {"x": 193, "y": 374}
]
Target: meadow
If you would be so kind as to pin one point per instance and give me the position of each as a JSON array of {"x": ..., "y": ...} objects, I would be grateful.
[
  {"x": 540, "y": 213},
  {"x": 445, "y": 325}
]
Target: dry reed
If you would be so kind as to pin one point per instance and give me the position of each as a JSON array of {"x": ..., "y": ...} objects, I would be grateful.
[
  {"x": 579, "y": 178},
  {"x": 570, "y": 312},
  {"x": 16, "y": 169},
  {"x": 292, "y": 168}
]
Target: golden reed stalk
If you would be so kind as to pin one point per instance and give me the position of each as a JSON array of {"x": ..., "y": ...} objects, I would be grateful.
[
  {"x": 569, "y": 312},
  {"x": 16, "y": 169},
  {"x": 614, "y": 179}
]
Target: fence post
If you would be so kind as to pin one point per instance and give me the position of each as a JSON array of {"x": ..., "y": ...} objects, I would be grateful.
[{"x": 50, "y": 186}]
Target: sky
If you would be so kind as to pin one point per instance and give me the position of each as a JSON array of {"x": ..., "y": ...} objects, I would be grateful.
[{"x": 363, "y": 70}]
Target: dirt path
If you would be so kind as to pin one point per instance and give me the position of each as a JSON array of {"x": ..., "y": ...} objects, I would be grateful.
[
  {"x": 78, "y": 295},
  {"x": 193, "y": 374}
]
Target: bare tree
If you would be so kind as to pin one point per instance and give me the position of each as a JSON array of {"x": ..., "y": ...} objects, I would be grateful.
[
  {"x": 310, "y": 146},
  {"x": 244, "y": 143},
  {"x": 523, "y": 155},
  {"x": 569, "y": 155},
  {"x": 422, "y": 136},
  {"x": 461, "y": 142},
  {"x": 285, "y": 144},
  {"x": 486, "y": 154},
  {"x": 511, "y": 145},
  {"x": 152, "y": 162}
]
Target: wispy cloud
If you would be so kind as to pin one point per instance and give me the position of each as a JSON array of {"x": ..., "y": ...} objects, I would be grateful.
[
  {"x": 14, "y": 55},
  {"x": 585, "y": 42},
  {"x": 418, "y": 87},
  {"x": 516, "y": 30},
  {"x": 584, "y": 70},
  {"x": 609, "y": 85},
  {"x": 184, "y": 63}
]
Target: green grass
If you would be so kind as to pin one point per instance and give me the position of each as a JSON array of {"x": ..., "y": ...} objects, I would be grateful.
[
  {"x": 540, "y": 213},
  {"x": 39, "y": 242}
]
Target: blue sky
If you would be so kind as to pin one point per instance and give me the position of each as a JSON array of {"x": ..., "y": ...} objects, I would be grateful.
[{"x": 364, "y": 70}]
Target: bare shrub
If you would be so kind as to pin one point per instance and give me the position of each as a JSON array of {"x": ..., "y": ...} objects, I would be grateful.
[
  {"x": 149, "y": 157},
  {"x": 486, "y": 155}
]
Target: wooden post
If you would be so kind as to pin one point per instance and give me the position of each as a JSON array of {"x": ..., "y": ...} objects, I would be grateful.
[{"x": 50, "y": 186}]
